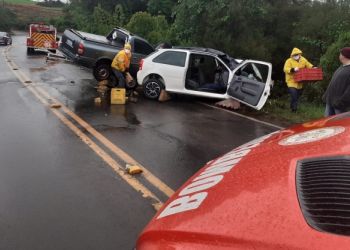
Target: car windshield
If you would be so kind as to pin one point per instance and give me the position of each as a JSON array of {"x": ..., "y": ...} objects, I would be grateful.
[
  {"x": 229, "y": 61},
  {"x": 2, "y": 34}
]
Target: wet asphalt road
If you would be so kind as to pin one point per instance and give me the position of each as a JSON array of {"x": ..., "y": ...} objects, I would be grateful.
[{"x": 57, "y": 193}]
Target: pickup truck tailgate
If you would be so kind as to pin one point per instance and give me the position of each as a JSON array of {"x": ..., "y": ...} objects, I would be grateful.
[{"x": 69, "y": 43}]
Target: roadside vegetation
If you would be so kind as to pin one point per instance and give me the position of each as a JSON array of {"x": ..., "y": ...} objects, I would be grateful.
[
  {"x": 259, "y": 29},
  {"x": 278, "y": 110},
  {"x": 19, "y": 2}
]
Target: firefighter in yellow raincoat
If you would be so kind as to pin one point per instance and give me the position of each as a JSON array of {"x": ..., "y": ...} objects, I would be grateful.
[
  {"x": 121, "y": 64},
  {"x": 292, "y": 65}
]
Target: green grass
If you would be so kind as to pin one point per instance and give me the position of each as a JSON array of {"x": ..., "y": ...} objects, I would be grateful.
[
  {"x": 20, "y": 1},
  {"x": 306, "y": 111}
]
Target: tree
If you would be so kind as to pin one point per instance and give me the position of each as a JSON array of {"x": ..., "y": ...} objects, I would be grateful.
[
  {"x": 330, "y": 60},
  {"x": 102, "y": 21},
  {"x": 161, "y": 7},
  {"x": 321, "y": 24},
  {"x": 8, "y": 19},
  {"x": 153, "y": 28},
  {"x": 119, "y": 17}
]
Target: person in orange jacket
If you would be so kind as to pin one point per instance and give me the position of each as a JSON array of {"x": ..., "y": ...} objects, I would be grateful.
[
  {"x": 291, "y": 66},
  {"x": 121, "y": 64}
]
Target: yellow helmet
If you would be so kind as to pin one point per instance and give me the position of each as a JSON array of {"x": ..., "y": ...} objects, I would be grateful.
[{"x": 127, "y": 46}]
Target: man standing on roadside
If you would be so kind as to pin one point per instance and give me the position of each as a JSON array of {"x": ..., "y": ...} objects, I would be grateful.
[
  {"x": 292, "y": 65},
  {"x": 337, "y": 95}
]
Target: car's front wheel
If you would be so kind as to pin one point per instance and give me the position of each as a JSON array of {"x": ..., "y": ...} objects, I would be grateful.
[
  {"x": 152, "y": 88},
  {"x": 102, "y": 72}
]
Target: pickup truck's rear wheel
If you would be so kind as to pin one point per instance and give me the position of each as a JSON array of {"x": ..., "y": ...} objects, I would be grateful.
[
  {"x": 152, "y": 88},
  {"x": 102, "y": 72}
]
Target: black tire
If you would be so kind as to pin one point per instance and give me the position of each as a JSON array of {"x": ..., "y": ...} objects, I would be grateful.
[
  {"x": 152, "y": 88},
  {"x": 131, "y": 85},
  {"x": 102, "y": 72},
  {"x": 30, "y": 50}
]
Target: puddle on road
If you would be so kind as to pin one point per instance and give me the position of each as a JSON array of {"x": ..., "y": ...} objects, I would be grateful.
[
  {"x": 112, "y": 117},
  {"x": 132, "y": 119}
]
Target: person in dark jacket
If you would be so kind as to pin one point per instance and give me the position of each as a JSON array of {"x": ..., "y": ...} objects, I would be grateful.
[{"x": 337, "y": 95}]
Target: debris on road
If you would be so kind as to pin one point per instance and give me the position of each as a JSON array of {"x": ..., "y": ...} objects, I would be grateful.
[
  {"x": 118, "y": 96},
  {"x": 132, "y": 96},
  {"x": 164, "y": 96},
  {"x": 98, "y": 100},
  {"x": 132, "y": 99},
  {"x": 56, "y": 106},
  {"x": 229, "y": 103},
  {"x": 55, "y": 57},
  {"x": 114, "y": 95},
  {"x": 133, "y": 169},
  {"x": 102, "y": 89}
]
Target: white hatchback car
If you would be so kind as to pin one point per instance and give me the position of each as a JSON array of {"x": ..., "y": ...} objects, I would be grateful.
[{"x": 207, "y": 73}]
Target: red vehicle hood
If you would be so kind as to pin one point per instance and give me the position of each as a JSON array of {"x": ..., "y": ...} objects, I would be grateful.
[{"x": 254, "y": 204}]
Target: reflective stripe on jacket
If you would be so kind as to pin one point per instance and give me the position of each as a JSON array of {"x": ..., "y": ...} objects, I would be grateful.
[
  {"x": 121, "y": 61},
  {"x": 292, "y": 63}
]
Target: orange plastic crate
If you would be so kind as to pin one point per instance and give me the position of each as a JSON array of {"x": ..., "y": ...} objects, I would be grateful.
[{"x": 307, "y": 75}]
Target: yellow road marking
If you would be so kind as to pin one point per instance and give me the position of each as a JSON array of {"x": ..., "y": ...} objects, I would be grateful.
[
  {"x": 115, "y": 149},
  {"x": 146, "y": 193}
]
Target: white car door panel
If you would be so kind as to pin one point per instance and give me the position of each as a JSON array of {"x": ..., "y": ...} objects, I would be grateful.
[
  {"x": 251, "y": 83},
  {"x": 174, "y": 76}
]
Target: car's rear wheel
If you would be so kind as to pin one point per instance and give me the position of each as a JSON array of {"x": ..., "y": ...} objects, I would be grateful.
[
  {"x": 102, "y": 72},
  {"x": 152, "y": 88}
]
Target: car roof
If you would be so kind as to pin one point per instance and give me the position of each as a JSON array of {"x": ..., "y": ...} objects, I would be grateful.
[
  {"x": 201, "y": 49},
  {"x": 229, "y": 61}
]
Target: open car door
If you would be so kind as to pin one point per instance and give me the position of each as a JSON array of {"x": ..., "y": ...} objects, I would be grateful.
[{"x": 251, "y": 83}]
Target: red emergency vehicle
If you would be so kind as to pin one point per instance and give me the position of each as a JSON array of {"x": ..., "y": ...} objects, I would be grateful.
[
  {"x": 286, "y": 190},
  {"x": 41, "y": 36}
]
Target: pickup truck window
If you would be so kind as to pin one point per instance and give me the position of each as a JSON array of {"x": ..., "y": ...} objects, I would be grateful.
[
  {"x": 142, "y": 48},
  {"x": 119, "y": 37},
  {"x": 176, "y": 58}
]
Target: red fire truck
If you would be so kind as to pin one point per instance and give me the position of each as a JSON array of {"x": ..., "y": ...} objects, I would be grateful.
[{"x": 41, "y": 36}]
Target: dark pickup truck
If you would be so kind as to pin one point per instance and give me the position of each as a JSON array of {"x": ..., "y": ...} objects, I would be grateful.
[{"x": 97, "y": 52}]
